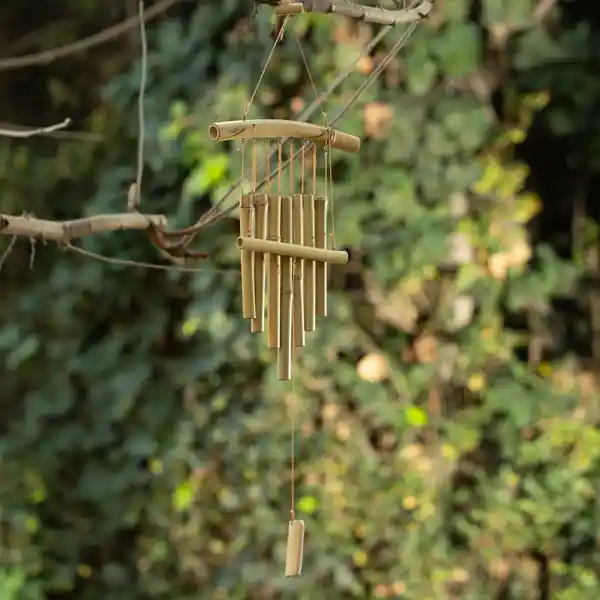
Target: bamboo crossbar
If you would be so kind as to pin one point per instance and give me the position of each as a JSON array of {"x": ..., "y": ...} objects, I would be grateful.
[
  {"x": 280, "y": 128},
  {"x": 320, "y": 255}
]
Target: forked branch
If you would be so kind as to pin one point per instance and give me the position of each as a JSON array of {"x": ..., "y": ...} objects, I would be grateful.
[
  {"x": 65, "y": 231},
  {"x": 417, "y": 10}
]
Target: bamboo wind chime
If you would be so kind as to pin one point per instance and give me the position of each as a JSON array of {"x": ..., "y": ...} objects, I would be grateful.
[
  {"x": 284, "y": 243},
  {"x": 283, "y": 235}
]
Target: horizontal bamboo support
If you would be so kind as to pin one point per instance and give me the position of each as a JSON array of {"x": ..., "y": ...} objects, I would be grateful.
[
  {"x": 280, "y": 128},
  {"x": 333, "y": 257}
]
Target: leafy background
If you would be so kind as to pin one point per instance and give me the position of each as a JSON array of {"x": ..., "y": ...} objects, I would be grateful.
[{"x": 448, "y": 406}]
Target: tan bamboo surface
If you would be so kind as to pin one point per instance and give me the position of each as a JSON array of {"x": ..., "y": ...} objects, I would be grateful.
[
  {"x": 289, "y": 9},
  {"x": 321, "y": 267},
  {"x": 260, "y": 273},
  {"x": 274, "y": 286},
  {"x": 294, "y": 549},
  {"x": 333, "y": 257},
  {"x": 284, "y": 353},
  {"x": 309, "y": 265},
  {"x": 280, "y": 128},
  {"x": 247, "y": 258},
  {"x": 298, "y": 240}
]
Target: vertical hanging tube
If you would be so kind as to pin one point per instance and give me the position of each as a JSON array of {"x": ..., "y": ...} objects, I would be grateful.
[
  {"x": 274, "y": 293},
  {"x": 284, "y": 355},
  {"x": 321, "y": 267},
  {"x": 298, "y": 239},
  {"x": 260, "y": 232},
  {"x": 247, "y": 258},
  {"x": 309, "y": 265}
]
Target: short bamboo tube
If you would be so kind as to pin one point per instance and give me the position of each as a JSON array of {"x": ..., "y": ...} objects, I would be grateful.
[
  {"x": 247, "y": 258},
  {"x": 321, "y": 267},
  {"x": 294, "y": 549},
  {"x": 308, "y": 201},
  {"x": 298, "y": 298},
  {"x": 284, "y": 354},
  {"x": 274, "y": 290},
  {"x": 260, "y": 279}
]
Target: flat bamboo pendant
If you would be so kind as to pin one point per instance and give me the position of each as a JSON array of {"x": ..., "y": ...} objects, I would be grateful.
[{"x": 295, "y": 549}]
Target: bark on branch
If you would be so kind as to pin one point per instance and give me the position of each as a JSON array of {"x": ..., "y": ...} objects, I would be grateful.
[
  {"x": 415, "y": 12},
  {"x": 65, "y": 231}
]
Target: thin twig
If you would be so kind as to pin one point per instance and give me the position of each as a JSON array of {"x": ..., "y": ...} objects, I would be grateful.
[
  {"x": 27, "y": 133},
  {"x": 8, "y": 250},
  {"x": 64, "y": 231},
  {"x": 48, "y": 56},
  {"x": 136, "y": 200},
  {"x": 143, "y": 265}
]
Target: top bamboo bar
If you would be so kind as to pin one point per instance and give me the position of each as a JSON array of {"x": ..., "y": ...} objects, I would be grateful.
[{"x": 279, "y": 128}]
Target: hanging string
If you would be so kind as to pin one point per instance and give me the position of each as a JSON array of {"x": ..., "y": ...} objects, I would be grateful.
[
  {"x": 313, "y": 149},
  {"x": 312, "y": 81},
  {"x": 264, "y": 69},
  {"x": 293, "y": 402}
]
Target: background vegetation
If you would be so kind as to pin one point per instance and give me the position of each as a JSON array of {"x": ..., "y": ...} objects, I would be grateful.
[{"x": 448, "y": 407}]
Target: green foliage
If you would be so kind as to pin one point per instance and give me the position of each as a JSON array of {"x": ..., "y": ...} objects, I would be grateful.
[{"x": 145, "y": 447}]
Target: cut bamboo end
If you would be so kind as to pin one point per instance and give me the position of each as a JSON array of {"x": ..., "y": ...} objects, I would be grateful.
[
  {"x": 321, "y": 267},
  {"x": 295, "y": 549},
  {"x": 289, "y": 9},
  {"x": 274, "y": 273},
  {"x": 247, "y": 258},
  {"x": 280, "y": 128},
  {"x": 309, "y": 265},
  {"x": 260, "y": 271}
]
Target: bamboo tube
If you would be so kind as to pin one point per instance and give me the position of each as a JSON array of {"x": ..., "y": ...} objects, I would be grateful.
[
  {"x": 289, "y": 9},
  {"x": 298, "y": 240},
  {"x": 333, "y": 257},
  {"x": 284, "y": 354},
  {"x": 260, "y": 279},
  {"x": 294, "y": 549},
  {"x": 247, "y": 258},
  {"x": 279, "y": 128},
  {"x": 321, "y": 267},
  {"x": 309, "y": 265},
  {"x": 274, "y": 293}
]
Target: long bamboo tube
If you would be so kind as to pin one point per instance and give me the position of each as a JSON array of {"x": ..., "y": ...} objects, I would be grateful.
[
  {"x": 333, "y": 257},
  {"x": 274, "y": 293},
  {"x": 298, "y": 240},
  {"x": 284, "y": 354},
  {"x": 309, "y": 265},
  {"x": 260, "y": 279},
  {"x": 247, "y": 258},
  {"x": 321, "y": 267},
  {"x": 280, "y": 128}
]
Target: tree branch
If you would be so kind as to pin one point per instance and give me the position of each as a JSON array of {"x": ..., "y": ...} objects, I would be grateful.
[
  {"x": 371, "y": 14},
  {"x": 22, "y": 132},
  {"x": 65, "y": 231}
]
